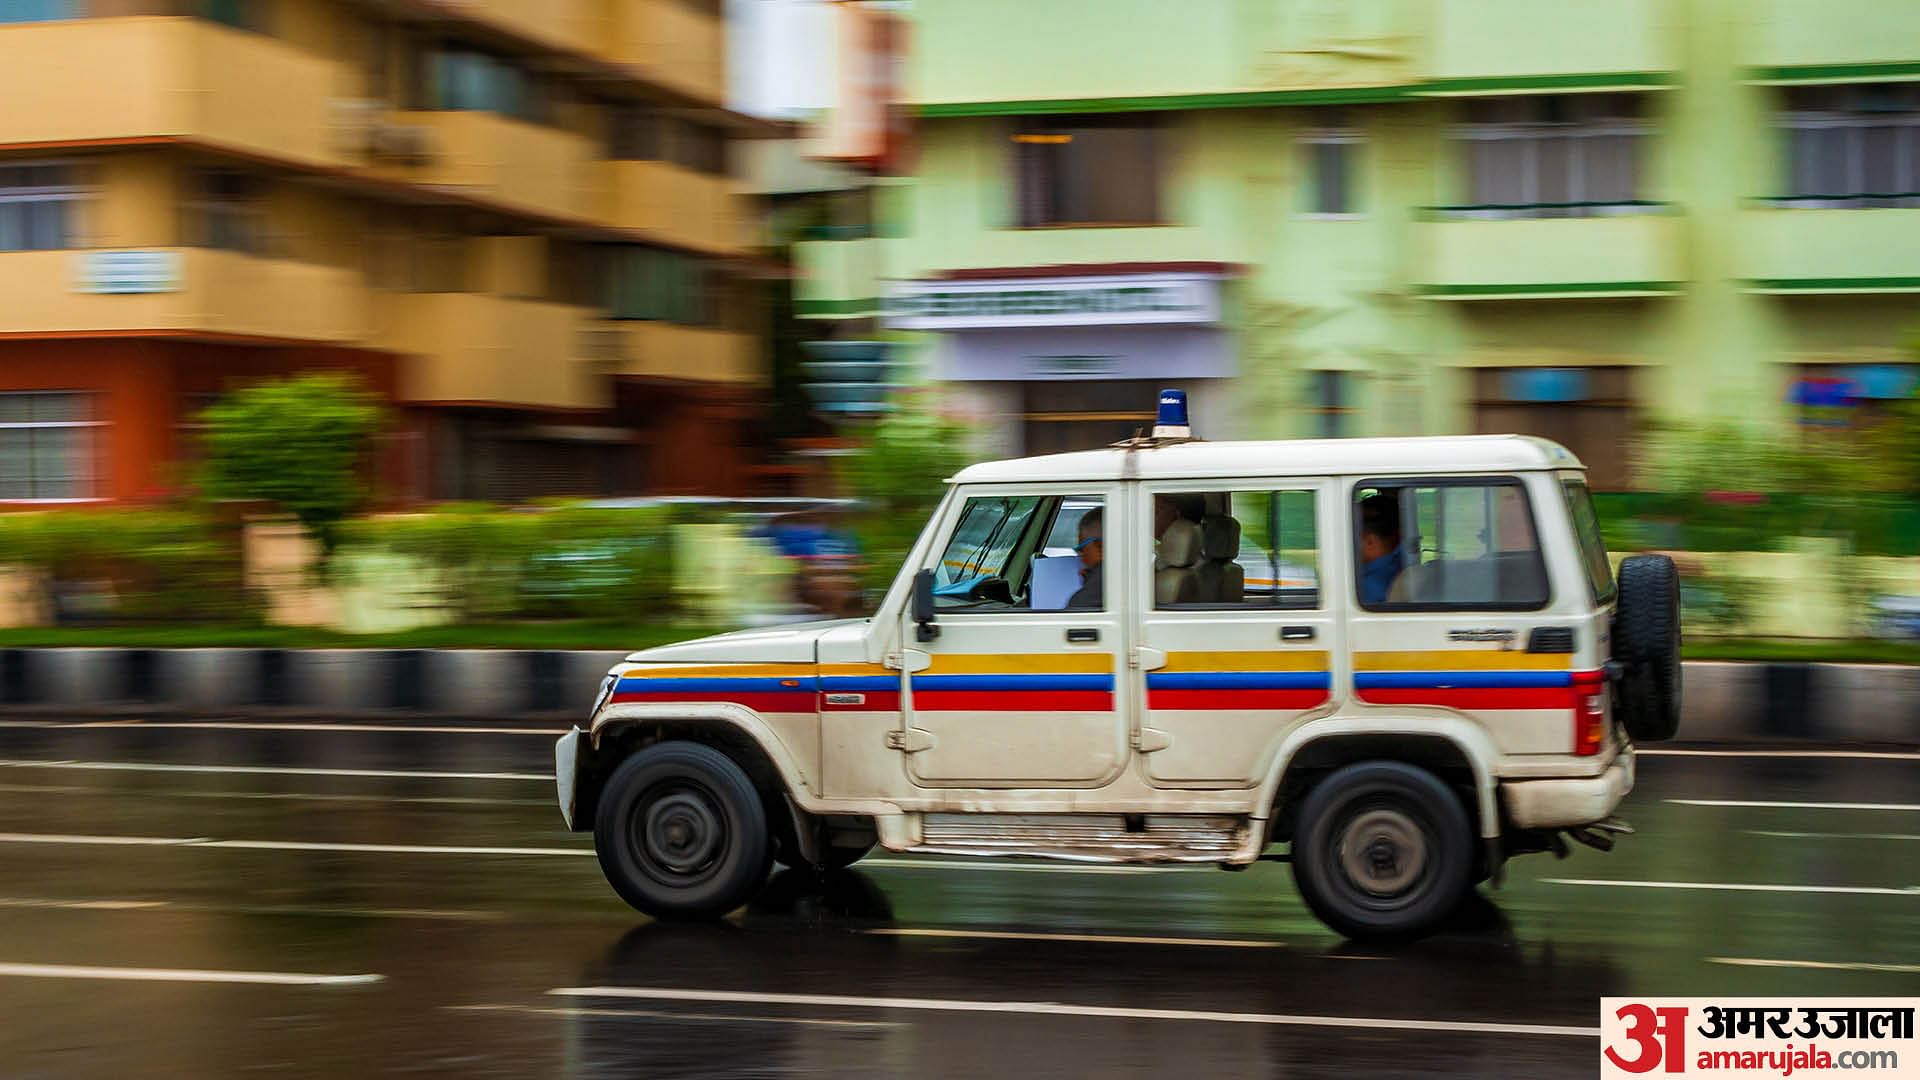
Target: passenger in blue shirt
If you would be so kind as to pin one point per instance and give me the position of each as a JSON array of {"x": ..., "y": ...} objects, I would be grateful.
[{"x": 1381, "y": 555}]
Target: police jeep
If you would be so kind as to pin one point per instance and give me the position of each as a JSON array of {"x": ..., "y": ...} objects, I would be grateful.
[{"x": 1392, "y": 663}]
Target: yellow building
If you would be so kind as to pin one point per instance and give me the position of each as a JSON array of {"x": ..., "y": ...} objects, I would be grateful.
[{"x": 512, "y": 217}]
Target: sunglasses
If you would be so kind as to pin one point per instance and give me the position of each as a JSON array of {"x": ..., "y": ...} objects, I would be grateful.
[{"x": 1085, "y": 544}]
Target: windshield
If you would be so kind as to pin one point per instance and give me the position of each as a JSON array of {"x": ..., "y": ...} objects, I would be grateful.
[{"x": 1593, "y": 549}]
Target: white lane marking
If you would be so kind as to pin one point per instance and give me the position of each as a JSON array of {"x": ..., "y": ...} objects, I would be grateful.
[
  {"x": 282, "y": 845},
  {"x": 81, "y": 905},
  {"x": 1815, "y": 965},
  {"x": 221, "y": 725},
  {"x": 50, "y": 903},
  {"x": 1097, "y": 939},
  {"x": 1833, "y": 835},
  {"x": 1864, "y": 755},
  {"x": 1054, "y": 1008},
  {"x": 271, "y": 770},
  {"x": 1771, "y": 805},
  {"x": 659, "y": 1014},
  {"x": 1026, "y": 868},
  {"x": 283, "y": 796},
  {"x": 1728, "y": 886},
  {"x": 259, "y": 978}
]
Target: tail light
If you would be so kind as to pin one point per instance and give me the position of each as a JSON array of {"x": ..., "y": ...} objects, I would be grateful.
[{"x": 1589, "y": 712}]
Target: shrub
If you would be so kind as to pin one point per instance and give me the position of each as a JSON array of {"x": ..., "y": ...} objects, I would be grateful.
[
  {"x": 132, "y": 565},
  {"x": 299, "y": 444}
]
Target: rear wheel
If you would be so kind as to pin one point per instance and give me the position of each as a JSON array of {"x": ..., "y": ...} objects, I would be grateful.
[
  {"x": 681, "y": 832},
  {"x": 1646, "y": 641},
  {"x": 1383, "y": 850}
]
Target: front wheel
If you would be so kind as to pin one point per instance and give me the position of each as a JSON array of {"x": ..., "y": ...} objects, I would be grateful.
[
  {"x": 681, "y": 832},
  {"x": 1383, "y": 850}
]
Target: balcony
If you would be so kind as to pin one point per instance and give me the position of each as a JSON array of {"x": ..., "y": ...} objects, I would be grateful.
[
  {"x": 1569, "y": 44},
  {"x": 678, "y": 205},
  {"x": 195, "y": 290},
  {"x": 475, "y": 348},
  {"x": 1795, "y": 41},
  {"x": 143, "y": 76},
  {"x": 1637, "y": 254},
  {"x": 1800, "y": 251},
  {"x": 838, "y": 279},
  {"x": 673, "y": 45},
  {"x": 501, "y": 160},
  {"x": 573, "y": 25},
  {"x": 670, "y": 351}
]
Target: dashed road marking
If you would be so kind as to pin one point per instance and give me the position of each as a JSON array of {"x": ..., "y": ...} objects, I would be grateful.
[
  {"x": 279, "y": 796},
  {"x": 282, "y": 845},
  {"x": 54, "y": 903},
  {"x": 256, "y": 978},
  {"x": 1832, "y": 835},
  {"x": 1054, "y": 1008},
  {"x": 1816, "y": 965},
  {"x": 271, "y": 770},
  {"x": 1729, "y": 886},
  {"x": 660, "y": 1014},
  {"x": 1096, "y": 939},
  {"x": 1765, "y": 804}
]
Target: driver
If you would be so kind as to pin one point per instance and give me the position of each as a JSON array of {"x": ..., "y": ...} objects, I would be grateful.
[{"x": 1090, "y": 550}]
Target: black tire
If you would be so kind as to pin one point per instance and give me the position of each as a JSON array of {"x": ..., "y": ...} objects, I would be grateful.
[
  {"x": 1383, "y": 850},
  {"x": 681, "y": 832},
  {"x": 1646, "y": 641}
]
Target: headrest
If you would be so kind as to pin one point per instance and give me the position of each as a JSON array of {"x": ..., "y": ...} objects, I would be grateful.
[
  {"x": 1219, "y": 538},
  {"x": 1213, "y": 503},
  {"x": 1179, "y": 546}
]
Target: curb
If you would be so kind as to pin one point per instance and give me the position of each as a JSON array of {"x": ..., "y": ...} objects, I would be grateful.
[{"x": 1724, "y": 702}]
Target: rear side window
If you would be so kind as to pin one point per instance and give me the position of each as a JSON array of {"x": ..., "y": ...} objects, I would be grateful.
[
  {"x": 1447, "y": 545},
  {"x": 1593, "y": 549}
]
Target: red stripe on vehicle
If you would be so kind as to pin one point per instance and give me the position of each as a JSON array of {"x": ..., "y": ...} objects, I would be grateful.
[
  {"x": 1549, "y": 697},
  {"x": 990, "y": 701},
  {"x": 1236, "y": 699}
]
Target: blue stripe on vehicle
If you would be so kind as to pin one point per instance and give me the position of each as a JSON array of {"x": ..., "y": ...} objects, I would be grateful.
[
  {"x": 1013, "y": 682},
  {"x": 1238, "y": 680},
  {"x": 858, "y": 684},
  {"x": 1466, "y": 680},
  {"x": 805, "y": 684}
]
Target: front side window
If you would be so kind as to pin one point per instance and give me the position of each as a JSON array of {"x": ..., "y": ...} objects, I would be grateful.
[
  {"x": 1253, "y": 549},
  {"x": 1029, "y": 552},
  {"x": 1088, "y": 170},
  {"x": 1447, "y": 545},
  {"x": 37, "y": 207},
  {"x": 1570, "y": 155},
  {"x": 1593, "y": 549},
  {"x": 46, "y": 446}
]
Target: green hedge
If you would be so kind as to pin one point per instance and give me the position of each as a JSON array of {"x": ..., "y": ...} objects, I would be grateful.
[
  {"x": 1875, "y": 524},
  {"x": 157, "y": 566}
]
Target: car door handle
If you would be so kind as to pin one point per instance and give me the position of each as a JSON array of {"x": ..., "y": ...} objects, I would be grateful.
[
  {"x": 1296, "y": 633},
  {"x": 1083, "y": 633}
]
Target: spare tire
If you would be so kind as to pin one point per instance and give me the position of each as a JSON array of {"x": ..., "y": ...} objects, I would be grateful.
[{"x": 1646, "y": 642}]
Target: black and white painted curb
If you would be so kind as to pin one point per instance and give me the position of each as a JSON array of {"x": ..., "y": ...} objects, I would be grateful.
[{"x": 1724, "y": 702}]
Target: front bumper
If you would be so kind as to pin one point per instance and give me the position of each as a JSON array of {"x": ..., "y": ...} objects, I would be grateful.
[
  {"x": 568, "y": 755},
  {"x": 1560, "y": 804}
]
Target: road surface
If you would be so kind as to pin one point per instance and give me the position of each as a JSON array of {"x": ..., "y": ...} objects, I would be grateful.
[{"x": 191, "y": 899}]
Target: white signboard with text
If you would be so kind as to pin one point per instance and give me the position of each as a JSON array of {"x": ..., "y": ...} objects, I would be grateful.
[{"x": 1134, "y": 299}]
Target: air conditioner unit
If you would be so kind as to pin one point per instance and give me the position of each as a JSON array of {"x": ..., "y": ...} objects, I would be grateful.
[{"x": 403, "y": 144}]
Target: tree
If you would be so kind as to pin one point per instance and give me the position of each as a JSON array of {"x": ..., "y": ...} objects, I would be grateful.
[
  {"x": 300, "y": 444},
  {"x": 897, "y": 474}
]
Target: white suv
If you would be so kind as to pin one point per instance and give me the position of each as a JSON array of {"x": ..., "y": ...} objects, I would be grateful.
[{"x": 1404, "y": 659}]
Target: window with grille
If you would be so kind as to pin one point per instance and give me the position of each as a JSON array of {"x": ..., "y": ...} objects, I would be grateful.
[
  {"x": 1571, "y": 155},
  {"x": 231, "y": 211},
  {"x": 1853, "y": 146},
  {"x": 38, "y": 206},
  {"x": 46, "y": 447}
]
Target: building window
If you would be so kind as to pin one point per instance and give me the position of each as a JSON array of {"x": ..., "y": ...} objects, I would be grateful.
[
  {"x": 1331, "y": 157},
  {"x": 467, "y": 80},
  {"x": 700, "y": 148},
  {"x": 37, "y": 207},
  {"x": 240, "y": 14},
  {"x": 1088, "y": 170},
  {"x": 1571, "y": 155},
  {"x": 1588, "y": 410},
  {"x": 1332, "y": 396},
  {"x": 635, "y": 133},
  {"x": 1084, "y": 413},
  {"x": 648, "y": 283},
  {"x": 25, "y": 11},
  {"x": 46, "y": 447},
  {"x": 231, "y": 211},
  {"x": 1851, "y": 146}
]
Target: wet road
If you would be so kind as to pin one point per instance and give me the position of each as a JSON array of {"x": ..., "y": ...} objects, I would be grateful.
[{"x": 196, "y": 901}]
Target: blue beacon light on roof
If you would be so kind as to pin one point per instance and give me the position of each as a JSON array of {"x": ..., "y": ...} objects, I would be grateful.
[{"x": 1171, "y": 421}]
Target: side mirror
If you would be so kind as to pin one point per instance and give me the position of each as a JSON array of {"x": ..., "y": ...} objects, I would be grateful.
[{"x": 923, "y": 606}]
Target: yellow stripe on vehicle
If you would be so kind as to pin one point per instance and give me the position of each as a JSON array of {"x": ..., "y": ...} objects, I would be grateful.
[
  {"x": 1254, "y": 660},
  {"x": 1021, "y": 664},
  {"x": 1461, "y": 659},
  {"x": 717, "y": 671}
]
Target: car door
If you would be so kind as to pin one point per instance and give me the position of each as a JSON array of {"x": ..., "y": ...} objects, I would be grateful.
[
  {"x": 1454, "y": 607},
  {"x": 1018, "y": 689},
  {"x": 1229, "y": 662}
]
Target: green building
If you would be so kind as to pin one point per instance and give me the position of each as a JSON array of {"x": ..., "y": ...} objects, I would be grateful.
[{"x": 1361, "y": 217}]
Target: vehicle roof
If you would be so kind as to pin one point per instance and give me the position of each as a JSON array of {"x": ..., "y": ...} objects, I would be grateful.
[{"x": 1426, "y": 455}]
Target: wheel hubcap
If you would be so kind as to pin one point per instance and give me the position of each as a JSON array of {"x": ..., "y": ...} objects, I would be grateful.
[
  {"x": 1383, "y": 852},
  {"x": 681, "y": 832}
]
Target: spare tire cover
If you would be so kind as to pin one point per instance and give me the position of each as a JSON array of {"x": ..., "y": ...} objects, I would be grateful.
[{"x": 1646, "y": 642}]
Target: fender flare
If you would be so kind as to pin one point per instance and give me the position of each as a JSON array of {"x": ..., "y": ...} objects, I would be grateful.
[
  {"x": 1472, "y": 741},
  {"x": 726, "y": 714}
]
